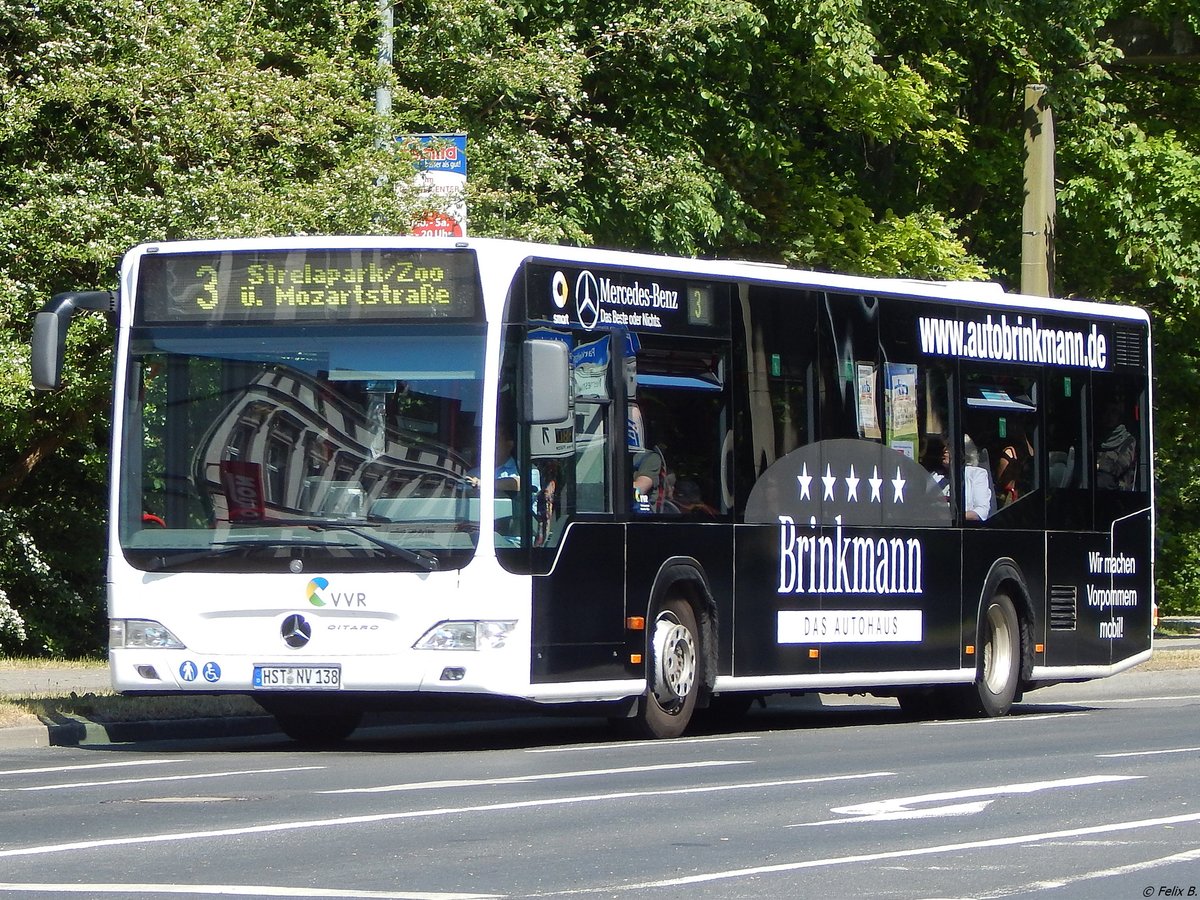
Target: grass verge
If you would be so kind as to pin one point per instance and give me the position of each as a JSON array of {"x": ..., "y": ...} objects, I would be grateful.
[{"x": 1167, "y": 661}]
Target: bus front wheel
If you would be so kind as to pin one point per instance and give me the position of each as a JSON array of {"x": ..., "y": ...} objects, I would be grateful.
[
  {"x": 315, "y": 726},
  {"x": 666, "y": 708}
]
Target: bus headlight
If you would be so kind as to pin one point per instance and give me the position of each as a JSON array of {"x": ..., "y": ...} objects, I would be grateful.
[
  {"x": 473, "y": 635},
  {"x": 142, "y": 634}
]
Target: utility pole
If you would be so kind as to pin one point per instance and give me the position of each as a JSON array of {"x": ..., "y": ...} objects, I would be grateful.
[
  {"x": 1037, "y": 215},
  {"x": 383, "y": 93}
]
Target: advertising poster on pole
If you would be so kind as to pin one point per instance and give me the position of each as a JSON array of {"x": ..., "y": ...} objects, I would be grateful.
[{"x": 441, "y": 179}]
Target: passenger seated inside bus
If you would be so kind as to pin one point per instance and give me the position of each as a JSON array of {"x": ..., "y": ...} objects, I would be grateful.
[
  {"x": 648, "y": 475},
  {"x": 648, "y": 465},
  {"x": 507, "y": 477},
  {"x": 688, "y": 500},
  {"x": 936, "y": 461},
  {"x": 1116, "y": 455},
  {"x": 1014, "y": 471},
  {"x": 978, "y": 496}
]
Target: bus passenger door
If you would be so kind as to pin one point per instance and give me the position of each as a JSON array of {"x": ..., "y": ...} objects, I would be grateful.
[
  {"x": 578, "y": 556},
  {"x": 677, "y": 444}
]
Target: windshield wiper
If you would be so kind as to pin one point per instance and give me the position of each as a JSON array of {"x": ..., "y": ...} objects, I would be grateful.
[
  {"x": 422, "y": 558},
  {"x": 227, "y": 548}
]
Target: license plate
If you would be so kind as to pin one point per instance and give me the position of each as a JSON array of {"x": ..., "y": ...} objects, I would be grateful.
[{"x": 317, "y": 678}]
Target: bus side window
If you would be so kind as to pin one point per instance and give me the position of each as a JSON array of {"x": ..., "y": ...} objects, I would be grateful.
[
  {"x": 1001, "y": 413},
  {"x": 1117, "y": 447},
  {"x": 776, "y": 348},
  {"x": 916, "y": 404},
  {"x": 850, "y": 373},
  {"x": 679, "y": 397},
  {"x": 1067, "y": 442}
]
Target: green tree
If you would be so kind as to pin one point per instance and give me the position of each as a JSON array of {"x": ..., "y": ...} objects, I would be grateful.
[
  {"x": 138, "y": 120},
  {"x": 1131, "y": 218}
]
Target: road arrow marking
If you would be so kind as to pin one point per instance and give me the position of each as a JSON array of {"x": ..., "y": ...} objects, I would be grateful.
[{"x": 951, "y": 804}]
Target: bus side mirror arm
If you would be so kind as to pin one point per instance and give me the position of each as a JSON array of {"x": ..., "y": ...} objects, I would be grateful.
[
  {"x": 50, "y": 333},
  {"x": 547, "y": 382}
]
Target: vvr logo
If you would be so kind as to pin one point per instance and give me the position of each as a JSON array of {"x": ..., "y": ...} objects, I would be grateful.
[{"x": 320, "y": 595}]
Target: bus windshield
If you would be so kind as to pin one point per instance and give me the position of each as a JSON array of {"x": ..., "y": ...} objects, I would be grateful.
[{"x": 280, "y": 448}]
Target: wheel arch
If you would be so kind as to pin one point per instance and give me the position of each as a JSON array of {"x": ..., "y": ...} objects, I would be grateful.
[
  {"x": 1005, "y": 575},
  {"x": 684, "y": 577}
]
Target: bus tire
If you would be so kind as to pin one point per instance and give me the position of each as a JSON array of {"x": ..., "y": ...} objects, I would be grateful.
[
  {"x": 1002, "y": 634},
  {"x": 665, "y": 710},
  {"x": 318, "y": 727}
]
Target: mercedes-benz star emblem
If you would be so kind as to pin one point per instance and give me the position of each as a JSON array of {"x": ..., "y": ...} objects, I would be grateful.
[
  {"x": 587, "y": 300},
  {"x": 296, "y": 632}
]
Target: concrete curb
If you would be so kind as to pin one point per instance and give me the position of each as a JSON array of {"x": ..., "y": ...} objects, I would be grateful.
[
  {"x": 80, "y": 732},
  {"x": 25, "y": 737},
  {"x": 76, "y": 731}
]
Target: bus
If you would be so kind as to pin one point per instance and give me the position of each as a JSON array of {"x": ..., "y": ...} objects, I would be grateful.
[{"x": 359, "y": 473}]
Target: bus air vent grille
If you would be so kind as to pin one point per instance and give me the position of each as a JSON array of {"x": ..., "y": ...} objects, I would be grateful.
[
  {"x": 1063, "y": 599},
  {"x": 1127, "y": 349}
]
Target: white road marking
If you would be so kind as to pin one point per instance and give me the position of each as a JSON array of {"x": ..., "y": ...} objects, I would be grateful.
[
  {"x": 108, "y": 765},
  {"x": 1132, "y": 868},
  {"x": 897, "y": 815},
  {"x": 1096, "y": 701},
  {"x": 1147, "y": 753},
  {"x": 308, "y": 824},
  {"x": 914, "y": 852},
  {"x": 900, "y": 807},
  {"x": 646, "y": 745},
  {"x": 523, "y": 779},
  {"x": 1008, "y": 719},
  {"x": 233, "y": 890},
  {"x": 83, "y": 784}
]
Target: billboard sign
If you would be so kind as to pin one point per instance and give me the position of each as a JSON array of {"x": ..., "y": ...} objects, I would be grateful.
[{"x": 440, "y": 161}]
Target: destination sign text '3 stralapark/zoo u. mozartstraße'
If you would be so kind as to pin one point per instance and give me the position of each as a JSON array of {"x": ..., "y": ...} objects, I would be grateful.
[{"x": 323, "y": 285}]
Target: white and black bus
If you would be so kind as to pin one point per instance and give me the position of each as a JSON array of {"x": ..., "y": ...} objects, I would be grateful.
[{"x": 360, "y": 472}]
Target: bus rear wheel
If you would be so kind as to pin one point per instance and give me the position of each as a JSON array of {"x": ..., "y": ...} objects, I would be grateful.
[
  {"x": 666, "y": 708},
  {"x": 1001, "y": 639}
]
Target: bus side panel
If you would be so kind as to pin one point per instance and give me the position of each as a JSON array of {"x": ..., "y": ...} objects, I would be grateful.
[
  {"x": 579, "y": 609},
  {"x": 1072, "y": 631},
  {"x": 1131, "y": 586},
  {"x": 893, "y": 640},
  {"x": 758, "y": 571},
  {"x": 858, "y": 600},
  {"x": 1099, "y": 595},
  {"x": 983, "y": 548}
]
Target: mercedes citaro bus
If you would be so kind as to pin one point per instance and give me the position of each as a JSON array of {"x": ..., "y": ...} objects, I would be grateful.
[{"x": 362, "y": 472}]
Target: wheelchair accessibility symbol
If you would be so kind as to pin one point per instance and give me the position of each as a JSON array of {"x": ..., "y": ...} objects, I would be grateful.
[{"x": 189, "y": 672}]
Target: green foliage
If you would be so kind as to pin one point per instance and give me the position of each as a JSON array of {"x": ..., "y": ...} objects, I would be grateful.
[
  {"x": 141, "y": 120},
  {"x": 874, "y": 136}
]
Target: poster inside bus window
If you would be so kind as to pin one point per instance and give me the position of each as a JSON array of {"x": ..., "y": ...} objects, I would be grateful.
[{"x": 307, "y": 285}]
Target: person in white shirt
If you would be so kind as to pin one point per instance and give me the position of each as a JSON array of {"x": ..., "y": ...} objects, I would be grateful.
[{"x": 979, "y": 498}]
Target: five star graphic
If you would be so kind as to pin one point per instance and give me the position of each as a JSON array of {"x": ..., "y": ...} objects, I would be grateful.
[{"x": 830, "y": 481}]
